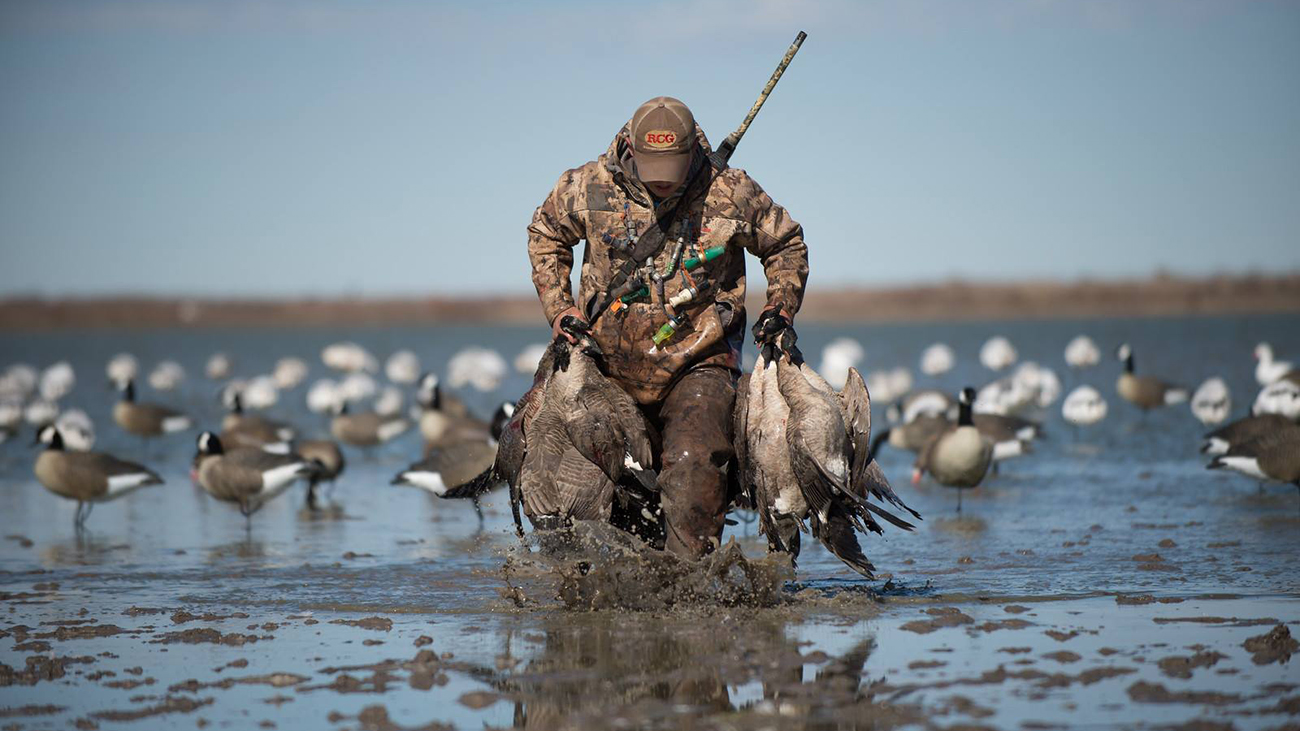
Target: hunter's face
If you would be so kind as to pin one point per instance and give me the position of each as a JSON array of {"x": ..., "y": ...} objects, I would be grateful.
[{"x": 663, "y": 190}]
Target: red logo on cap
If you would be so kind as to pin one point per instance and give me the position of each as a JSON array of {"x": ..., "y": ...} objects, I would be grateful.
[{"x": 660, "y": 138}]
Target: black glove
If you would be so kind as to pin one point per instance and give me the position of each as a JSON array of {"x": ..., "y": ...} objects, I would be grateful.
[{"x": 773, "y": 327}]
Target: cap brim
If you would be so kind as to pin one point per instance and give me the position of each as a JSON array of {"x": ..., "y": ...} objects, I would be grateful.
[{"x": 662, "y": 168}]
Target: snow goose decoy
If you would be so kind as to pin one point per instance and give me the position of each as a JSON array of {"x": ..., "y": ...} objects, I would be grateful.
[
  {"x": 1281, "y": 398},
  {"x": 349, "y": 358},
  {"x": 121, "y": 368},
  {"x": 87, "y": 477},
  {"x": 289, "y": 372},
  {"x": 922, "y": 402},
  {"x": 1211, "y": 402},
  {"x": 1084, "y": 406},
  {"x": 1267, "y": 369},
  {"x": 57, "y": 381},
  {"x": 245, "y": 476},
  {"x": 166, "y": 376},
  {"x": 527, "y": 360},
  {"x": 838, "y": 357},
  {"x": 1144, "y": 392},
  {"x": 960, "y": 455},
  {"x": 219, "y": 367},
  {"x": 147, "y": 420},
  {"x": 481, "y": 368},
  {"x": 997, "y": 353},
  {"x": 402, "y": 367},
  {"x": 18, "y": 382},
  {"x": 937, "y": 359},
  {"x": 1082, "y": 352}
]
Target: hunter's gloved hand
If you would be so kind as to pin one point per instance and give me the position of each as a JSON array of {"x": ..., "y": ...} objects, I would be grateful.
[
  {"x": 773, "y": 326},
  {"x": 572, "y": 327}
]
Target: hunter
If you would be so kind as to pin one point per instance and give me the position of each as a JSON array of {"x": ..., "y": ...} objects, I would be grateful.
[{"x": 662, "y": 288}]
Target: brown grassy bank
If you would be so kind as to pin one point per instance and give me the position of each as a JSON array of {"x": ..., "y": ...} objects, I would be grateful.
[{"x": 956, "y": 300}]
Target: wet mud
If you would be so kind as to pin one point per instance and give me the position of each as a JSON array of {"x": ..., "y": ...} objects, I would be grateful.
[{"x": 1117, "y": 586}]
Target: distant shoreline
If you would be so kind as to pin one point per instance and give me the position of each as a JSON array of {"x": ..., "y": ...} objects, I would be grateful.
[{"x": 945, "y": 301}]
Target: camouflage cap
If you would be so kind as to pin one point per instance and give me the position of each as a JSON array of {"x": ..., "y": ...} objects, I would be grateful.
[{"x": 663, "y": 135}]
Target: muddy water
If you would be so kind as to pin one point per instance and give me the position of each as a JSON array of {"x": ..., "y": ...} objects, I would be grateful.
[{"x": 1107, "y": 580}]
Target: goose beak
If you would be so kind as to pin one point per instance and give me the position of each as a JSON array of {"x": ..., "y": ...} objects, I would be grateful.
[{"x": 916, "y": 477}]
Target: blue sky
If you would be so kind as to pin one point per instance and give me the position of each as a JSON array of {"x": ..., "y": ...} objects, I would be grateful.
[{"x": 323, "y": 147}]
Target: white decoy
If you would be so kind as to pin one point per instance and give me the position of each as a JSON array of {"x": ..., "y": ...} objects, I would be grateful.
[
  {"x": 915, "y": 404},
  {"x": 1281, "y": 398},
  {"x": 324, "y": 397},
  {"x": 900, "y": 379},
  {"x": 1084, "y": 406},
  {"x": 18, "y": 382},
  {"x": 121, "y": 368},
  {"x": 358, "y": 386},
  {"x": 1082, "y": 352},
  {"x": 77, "y": 429},
  {"x": 390, "y": 401},
  {"x": 349, "y": 358},
  {"x": 997, "y": 353},
  {"x": 219, "y": 366},
  {"x": 1211, "y": 401},
  {"x": 1268, "y": 370},
  {"x": 57, "y": 381},
  {"x": 937, "y": 359},
  {"x": 289, "y": 372},
  {"x": 166, "y": 376},
  {"x": 1005, "y": 396},
  {"x": 481, "y": 368},
  {"x": 403, "y": 367},
  {"x": 259, "y": 392},
  {"x": 880, "y": 385},
  {"x": 40, "y": 412},
  {"x": 528, "y": 358},
  {"x": 838, "y": 357},
  {"x": 11, "y": 415}
]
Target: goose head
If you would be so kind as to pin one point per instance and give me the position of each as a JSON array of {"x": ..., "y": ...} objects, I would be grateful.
[
  {"x": 429, "y": 394},
  {"x": 1124, "y": 353},
  {"x": 504, "y": 413},
  {"x": 209, "y": 444},
  {"x": 128, "y": 390},
  {"x": 49, "y": 436},
  {"x": 1264, "y": 353}
]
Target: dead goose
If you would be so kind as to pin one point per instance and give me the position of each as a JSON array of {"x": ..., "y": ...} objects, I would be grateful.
[
  {"x": 329, "y": 462},
  {"x": 959, "y": 456},
  {"x": 557, "y": 484},
  {"x": 1273, "y": 457},
  {"x": 246, "y": 476},
  {"x": 87, "y": 477},
  {"x": 365, "y": 429},
  {"x": 1144, "y": 392},
  {"x": 452, "y": 471},
  {"x": 807, "y": 456},
  {"x": 147, "y": 420}
]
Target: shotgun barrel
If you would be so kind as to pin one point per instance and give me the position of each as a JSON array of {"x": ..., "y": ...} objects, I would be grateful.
[{"x": 728, "y": 145}]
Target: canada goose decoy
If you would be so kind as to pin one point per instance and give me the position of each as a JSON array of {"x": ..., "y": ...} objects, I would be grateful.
[
  {"x": 147, "y": 420},
  {"x": 246, "y": 476},
  {"x": 328, "y": 460},
  {"x": 1144, "y": 392},
  {"x": 365, "y": 429},
  {"x": 444, "y": 419},
  {"x": 1211, "y": 402},
  {"x": 1082, "y": 352},
  {"x": 452, "y": 471},
  {"x": 1267, "y": 369},
  {"x": 937, "y": 359},
  {"x": 250, "y": 430},
  {"x": 1273, "y": 457},
  {"x": 77, "y": 430},
  {"x": 911, "y": 436},
  {"x": 87, "y": 477},
  {"x": 1233, "y": 434},
  {"x": 1084, "y": 406},
  {"x": 959, "y": 456}
]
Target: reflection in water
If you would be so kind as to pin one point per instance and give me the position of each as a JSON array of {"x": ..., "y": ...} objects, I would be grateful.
[
  {"x": 247, "y": 548},
  {"x": 82, "y": 549},
  {"x": 649, "y": 670},
  {"x": 962, "y": 525}
]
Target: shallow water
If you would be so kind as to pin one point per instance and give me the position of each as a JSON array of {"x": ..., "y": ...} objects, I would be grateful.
[{"x": 1106, "y": 580}]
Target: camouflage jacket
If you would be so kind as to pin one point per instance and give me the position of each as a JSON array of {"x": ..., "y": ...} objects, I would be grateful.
[{"x": 598, "y": 201}]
